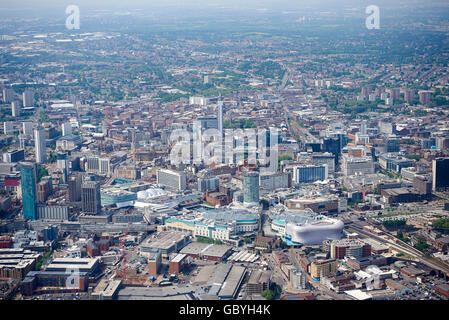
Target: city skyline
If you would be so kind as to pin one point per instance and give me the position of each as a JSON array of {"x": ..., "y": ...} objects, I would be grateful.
[{"x": 223, "y": 151}]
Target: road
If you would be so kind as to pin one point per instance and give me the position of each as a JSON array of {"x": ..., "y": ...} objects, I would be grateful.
[
  {"x": 293, "y": 127},
  {"x": 266, "y": 226},
  {"x": 277, "y": 276}
]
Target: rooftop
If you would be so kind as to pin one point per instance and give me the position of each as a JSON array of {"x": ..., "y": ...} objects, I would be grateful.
[
  {"x": 205, "y": 249},
  {"x": 164, "y": 240}
]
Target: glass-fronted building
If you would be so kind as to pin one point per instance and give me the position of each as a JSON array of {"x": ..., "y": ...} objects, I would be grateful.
[
  {"x": 251, "y": 187},
  {"x": 28, "y": 181}
]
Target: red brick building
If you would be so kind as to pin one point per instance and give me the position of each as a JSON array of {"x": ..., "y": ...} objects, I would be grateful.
[
  {"x": 178, "y": 263},
  {"x": 5, "y": 242},
  {"x": 217, "y": 198}
]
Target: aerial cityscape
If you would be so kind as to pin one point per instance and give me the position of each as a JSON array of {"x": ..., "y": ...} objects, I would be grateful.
[{"x": 199, "y": 150}]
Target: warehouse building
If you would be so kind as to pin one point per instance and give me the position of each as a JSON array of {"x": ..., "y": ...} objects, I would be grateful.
[
  {"x": 48, "y": 282},
  {"x": 90, "y": 266},
  {"x": 232, "y": 282},
  {"x": 206, "y": 251},
  {"x": 222, "y": 281},
  {"x": 165, "y": 242},
  {"x": 258, "y": 282}
]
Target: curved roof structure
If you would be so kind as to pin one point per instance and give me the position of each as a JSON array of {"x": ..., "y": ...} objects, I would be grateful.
[
  {"x": 151, "y": 193},
  {"x": 315, "y": 231}
]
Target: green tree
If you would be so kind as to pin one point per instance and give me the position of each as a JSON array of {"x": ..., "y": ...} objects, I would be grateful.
[
  {"x": 41, "y": 172},
  {"x": 422, "y": 246},
  {"x": 268, "y": 294},
  {"x": 441, "y": 225},
  {"x": 394, "y": 224}
]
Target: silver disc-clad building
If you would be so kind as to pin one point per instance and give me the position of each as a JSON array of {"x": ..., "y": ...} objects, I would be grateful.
[{"x": 305, "y": 227}]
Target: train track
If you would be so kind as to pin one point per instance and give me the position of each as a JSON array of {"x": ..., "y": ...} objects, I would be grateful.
[{"x": 430, "y": 262}]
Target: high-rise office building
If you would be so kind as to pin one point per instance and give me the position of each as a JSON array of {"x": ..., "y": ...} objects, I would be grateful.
[
  {"x": 199, "y": 126},
  {"x": 220, "y": 118},
  {"x": 28, "y": 182},
  {"x": 66, "y": 129},
  {"x": 98, "y": 165},
  {"x": 251, "y": 187},
  {"x": 352, "y": 165},
  {"x": 324, "y": 158},
  {"x": 207, "y": 181},
  {"x": 63, "y": 165},
  {"x": 14, "y": 156},
  {"x": 171, "y": 179},
  {"x": 392, "y": 144},
  {"x": 8, "y": 95},
  {"x": 28, "y": 98},
  {"x": 310, "y": 173},
  {"x": 75, "y": 188},
  {"x": 272, "y": 181},
  {"x": 440, "y": 173},
  {"x": 43, "y": 189},
  {"x": 363, "y": 127},
  {"x": 91, "y": 198},
  {"x": 27, "y": 128},
  {"x": 8, "y": 127},
  {"x": 334, "y": 145},
  {"x": 40, "y": 145},
  {"x": 15, "y": 108}
]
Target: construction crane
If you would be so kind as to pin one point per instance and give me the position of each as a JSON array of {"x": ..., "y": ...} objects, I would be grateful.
[{"x": 123, "y": 251}]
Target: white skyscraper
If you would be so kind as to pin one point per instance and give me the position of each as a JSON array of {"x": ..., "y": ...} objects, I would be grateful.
[
  {"x": 40, "y": 145},
  {"x": 15, "y": 108},
  {"x": 220, "y": 118},
  {"x": 63, "y": 165},
  {"x": 28, "y": 98},
  {"x": 66, "y": 129},
  {"x": 8, "y": 95},
  {"x": 363, "y": 127},
  {"x": 8, "y": 127},
  {"x": 27, "y": 128}
]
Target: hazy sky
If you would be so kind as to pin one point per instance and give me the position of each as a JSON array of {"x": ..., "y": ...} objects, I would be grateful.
[
  {"x": 247, "y": 4},
  {"x": 10, "y": 9}
]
